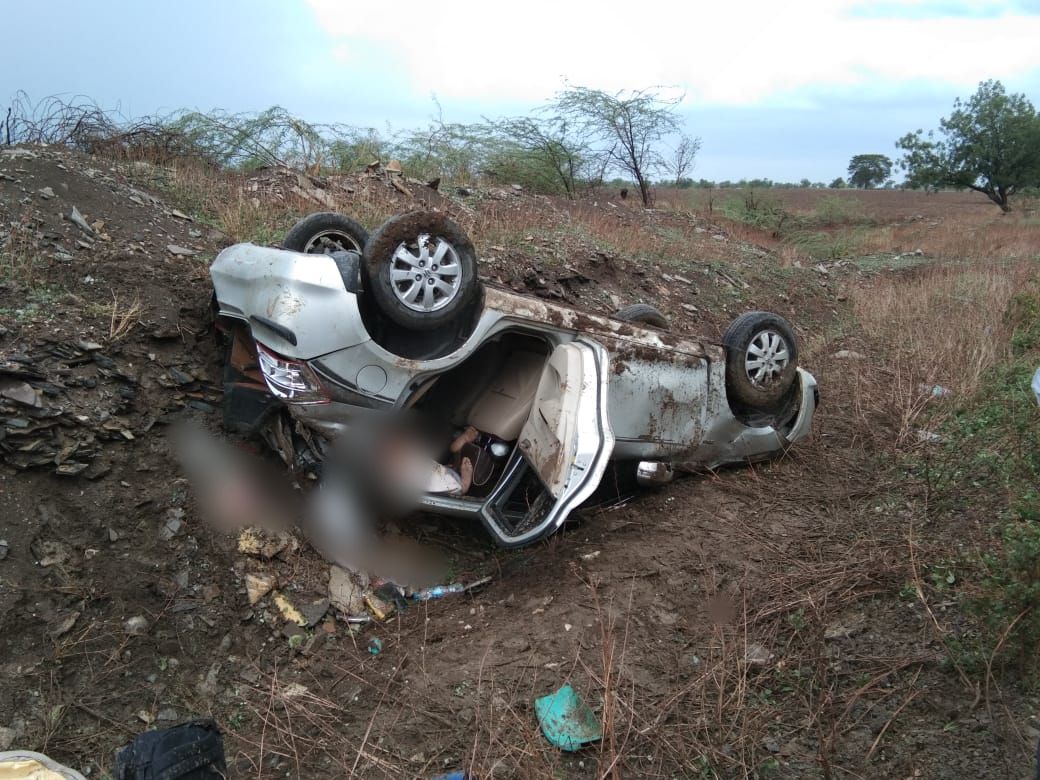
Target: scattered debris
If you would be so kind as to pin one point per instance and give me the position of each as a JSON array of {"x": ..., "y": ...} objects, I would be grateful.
[
  {"x": 192, "y": 749},
  {"x": 757, "y": 655},
  {"x": 928, "y": 437},
  {"x": 936, "y": 391},
  {"x": 375, "y": 646},
  {"x": 380, "y": 609},
  {"x": 567, "y": 721},
  {"x": 259, "y": 585},
  {"x": 440, "y": 591},
  {"x": 27, "y": 765},
  {"x": 288, "y": 610}
]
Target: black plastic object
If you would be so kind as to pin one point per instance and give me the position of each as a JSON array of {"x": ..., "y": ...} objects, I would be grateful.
[{"x": 189, "y": 751}]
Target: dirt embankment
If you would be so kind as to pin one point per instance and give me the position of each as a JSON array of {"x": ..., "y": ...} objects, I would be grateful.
[{"x": 747, "y": 622}]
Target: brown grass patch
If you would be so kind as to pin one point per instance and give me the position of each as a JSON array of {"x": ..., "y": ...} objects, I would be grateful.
[{"x": 943, "y": 326}]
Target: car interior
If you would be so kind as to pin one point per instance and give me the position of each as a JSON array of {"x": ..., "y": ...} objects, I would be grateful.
[{"x": 482, "y": 405}]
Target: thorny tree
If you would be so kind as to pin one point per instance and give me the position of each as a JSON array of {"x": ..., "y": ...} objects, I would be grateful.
[
  {"x": 682, "y": 159},
  {"x": 544, "y": 152},
  {"x": 628, "y": 126}
]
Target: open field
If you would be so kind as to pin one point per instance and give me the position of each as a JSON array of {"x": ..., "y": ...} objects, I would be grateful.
[{"x": 864, "y": 607}]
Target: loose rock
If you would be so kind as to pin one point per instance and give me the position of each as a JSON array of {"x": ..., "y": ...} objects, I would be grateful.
[{"x": 259, "y": 585}]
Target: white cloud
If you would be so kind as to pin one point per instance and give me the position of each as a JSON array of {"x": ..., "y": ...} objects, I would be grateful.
[{"x": 736, "y": 53}]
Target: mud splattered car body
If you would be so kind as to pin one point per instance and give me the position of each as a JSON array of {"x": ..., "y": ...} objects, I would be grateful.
[{"x": 556, "y": 394}]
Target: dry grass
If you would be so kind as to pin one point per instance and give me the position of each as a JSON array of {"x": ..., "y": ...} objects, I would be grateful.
[
  {"x": 941, "y": 326},
  {"x": 123, "y": 318},
  {"x": 19, "y": 255}
]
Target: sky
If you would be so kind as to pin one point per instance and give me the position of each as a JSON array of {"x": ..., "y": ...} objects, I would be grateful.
[{"x": 774, "y": 90}]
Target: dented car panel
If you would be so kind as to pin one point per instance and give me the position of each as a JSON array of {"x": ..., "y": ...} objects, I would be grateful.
[{"x": 608, "y": 390}]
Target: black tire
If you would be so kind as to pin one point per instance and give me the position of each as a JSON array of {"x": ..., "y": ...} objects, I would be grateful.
[
  {"x": 761, "y": 362},
  {"x": 643, "y": 314},
  {"x": 400, "y": 266},
  {"x": 324, "y": 233}
]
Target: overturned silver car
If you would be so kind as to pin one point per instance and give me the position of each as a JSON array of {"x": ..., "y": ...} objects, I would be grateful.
[{"x": 529, "y": 401}]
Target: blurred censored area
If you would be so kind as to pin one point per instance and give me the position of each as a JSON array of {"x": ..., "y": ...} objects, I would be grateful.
[{"x": 373, "y": 473}]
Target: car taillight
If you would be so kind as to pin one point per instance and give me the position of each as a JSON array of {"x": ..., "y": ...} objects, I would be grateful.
[{"x": 291, "y": 380}]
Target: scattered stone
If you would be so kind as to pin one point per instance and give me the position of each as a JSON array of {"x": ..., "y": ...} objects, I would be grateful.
[
  {"x": 7, "y": 737},
  {"x": 181, "y": 215},
  {"x": 690, "y": 308},
  {"x": 840, "y": 630},
  {"x": 65, "y": 625},
  {"x": 46, "y": 193},
  {"x": 259, "y": 585},
  {"x": 168, "y": 715},
  {"x": 180, "y": 377},
  {"x": 294, "y": 690},
  {"x": 295, "y": 633},
  {"x": 180, "y": 251},
  {"x": 71, "y": 468},
  {"x": 314, "y": 612},
  {"x": 77, "y": 219},
  {"x": 18, "y": 154},
  {"x": 136, "y": 625},
  {"x": 261, "y": 543},
  {"x": 344, "y": 593},
  {"x": 172, "y": 525},
  {"x": 849, "y": 354},
  {"x": 22, "y": 392},
  {"x": 210, "y": 686}
]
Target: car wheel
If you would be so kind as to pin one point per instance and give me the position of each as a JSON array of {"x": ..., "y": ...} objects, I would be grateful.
[
  {"x": 422, "y": 270},
  {"x": 642, "y": 314},
  {"x": 761, "y": 362},
  {"x": 324, "y": 233}
]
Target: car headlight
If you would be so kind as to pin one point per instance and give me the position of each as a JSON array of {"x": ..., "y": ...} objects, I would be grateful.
[{"x": 291, "y": 380}]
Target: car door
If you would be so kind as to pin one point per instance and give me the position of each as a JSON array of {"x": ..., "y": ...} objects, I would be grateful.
[{"x": 567, "y": 441}]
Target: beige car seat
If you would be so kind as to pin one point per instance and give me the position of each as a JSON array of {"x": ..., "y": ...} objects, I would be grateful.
[{"x": 502, "y": 409}]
